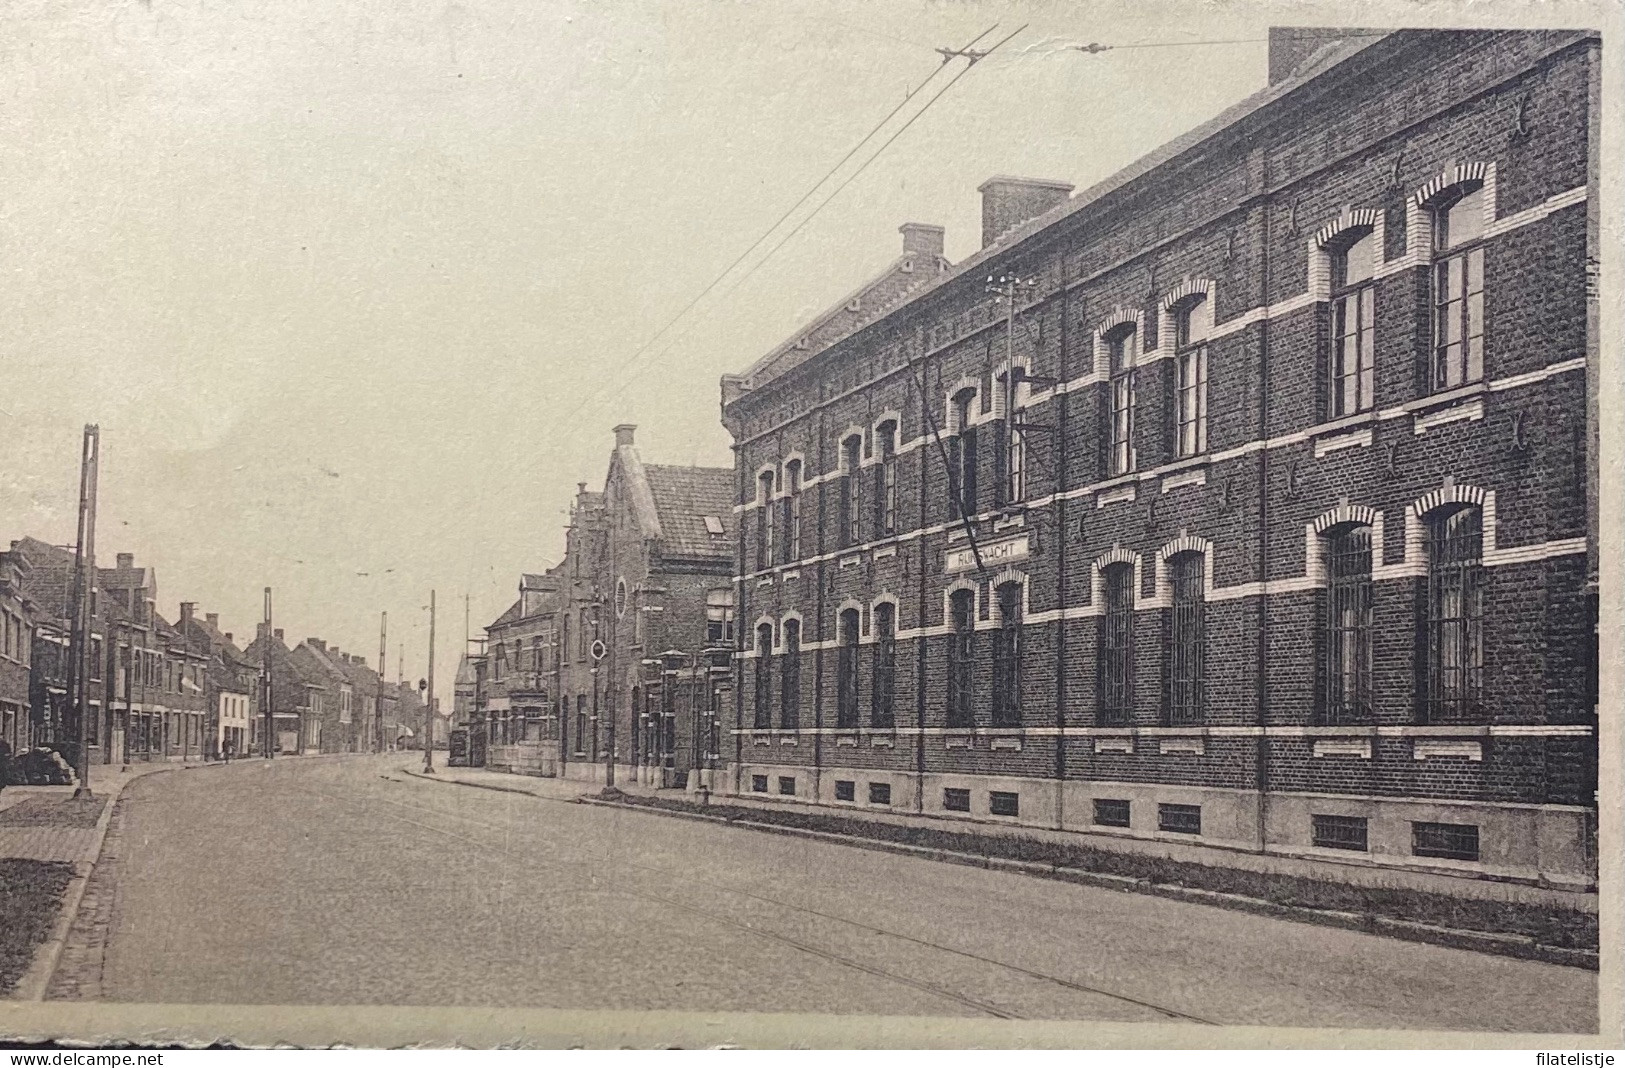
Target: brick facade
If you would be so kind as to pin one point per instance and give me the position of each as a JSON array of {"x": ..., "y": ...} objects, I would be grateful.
[{"x": 1252, "y": 241}]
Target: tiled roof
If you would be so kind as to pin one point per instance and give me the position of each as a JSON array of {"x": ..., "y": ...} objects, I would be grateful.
[
  {"x": 512, "y": 615},
  {"x": 683, "y": 497}
]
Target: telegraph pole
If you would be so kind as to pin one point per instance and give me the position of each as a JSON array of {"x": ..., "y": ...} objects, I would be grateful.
[
  {"x": 428, "y": 700},
  {"x": 268, "y": 745},
  {"x": 378, "y": 697},
  {"x": 84, "y": 584}
]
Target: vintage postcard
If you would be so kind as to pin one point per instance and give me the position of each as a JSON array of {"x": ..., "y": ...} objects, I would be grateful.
[{"x": 809, "y": 523}]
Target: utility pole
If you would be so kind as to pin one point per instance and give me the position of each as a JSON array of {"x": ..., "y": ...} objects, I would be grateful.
[
  {"x": 378, "y": 697},
  {"x": 84, "y": 585},
  {"x": 428, "y": 700},
  {"x": 268, "y": 728}
]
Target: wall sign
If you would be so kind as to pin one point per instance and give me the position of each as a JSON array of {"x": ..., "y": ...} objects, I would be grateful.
[{"x": 995, "y": 552}]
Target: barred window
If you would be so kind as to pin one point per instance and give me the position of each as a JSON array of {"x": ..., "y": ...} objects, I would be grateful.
[
  {"x": 1010, "y": 446},
  {"x": 1123, "y": 347},
  {"x": 955, "y": 799},
  {"x": 790, "y": 676},
  {"x": 764, "y": 522},
  {"x": 852, "y": 451},
  {"x": 1455, "y": 616},
  {"x": 1111, "y": 812},
  {"x": 886, "y": 480},
  {"x": 846, "y": 672},
  {"x": 1192, "y": 326},
  {"x": 1339, "y": 832},
  {"x": 1180, "y": 819},
  {"x": 1186, "y": 637},
  {"x": 1452, "y": 841},
  {"x": 880, "y": 793},
  {"x": 1117, "y": 646},
  {"x": 764, "y": 678},
  {"x": 792, "y": 511},
  {"x": 1004, "y": 803},
  {"x": 1458, "y": 289},
  {"x": 1348, "y": 626},
  {"x": 882, "y": 711},
  {"x": 962, "y": 458},
  {"x": 846, "y": 790},
  {"x": 961, "y": 658},
  {"x": 1007, "y": 657},
  {"x": 1352, "y": 370}
]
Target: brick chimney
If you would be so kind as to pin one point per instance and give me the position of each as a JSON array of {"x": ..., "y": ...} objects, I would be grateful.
[
  {"x": 228, "y": 637},
  {"x": 921, "y": 239},
  {"x": 212, "y": 619},
  {"x": 187, "y": 608},
  {"x": 277, "y": 633},
  {"x": 1292, "y": 47},
  {"x": 316, "y": 643},
  {"x": 623, "y": 434},
  {"x": 126, "y": 561},
  {"x": 1008, "y": 202}
]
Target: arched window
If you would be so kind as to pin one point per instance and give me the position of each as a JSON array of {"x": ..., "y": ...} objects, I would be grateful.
[
  {"x": 886, "y": 479},
  {"x": 1455, "y": 615},
  {"x": 961, "y": 658},
  {"x": 1186, "y": 637},
  {"x": 1010, "y": 445},
  {"x": 882, "y": 712},
  {"x": 846, "y": 673},
  {"x": 763, "y": 717},
  {"x": 1193, "y": 322},
  {"x": 1347, "y": 658},
  {"x": 962, "y": 458},
  {"x": 852, "y": 458},
  {"x": 790, "y": 676},
  {"x": 792, "y": 511},
  {"x": 1351, "y": 374},
  {"x": 1117, "y": 646},
  {"x": 1007, "y": 657},
  {"x": 764, "y": 521},
  {"x": 1458, "y": 288},
  {"x": 1123, "y": 351}
]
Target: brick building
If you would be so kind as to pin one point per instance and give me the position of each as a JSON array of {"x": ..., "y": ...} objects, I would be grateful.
[
  {"x": 17, "y": 626},
  {"x": 1252, "y": 496},
  {"x": 511, "y": 685}
]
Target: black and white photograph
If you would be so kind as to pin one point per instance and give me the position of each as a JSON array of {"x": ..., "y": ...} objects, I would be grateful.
[{"x": 653, "y": 524}]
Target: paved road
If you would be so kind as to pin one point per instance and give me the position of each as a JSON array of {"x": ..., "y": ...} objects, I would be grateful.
[{"x": 343, "y": 882}]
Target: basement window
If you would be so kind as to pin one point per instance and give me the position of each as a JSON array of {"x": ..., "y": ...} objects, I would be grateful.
[
  {"x": 758, "y": 784},
  {"x": 1111, "y": 812},
  {"x": 787, "y": 785},
  {"x": 1003, "y": 803},
  {"x": 956, "y": 800},
  {"x": 1451, "y": 841},
  {"x": 1340, "y": 832},
  {"x": 1180, "y": 819},
  {"x": 846, "y": 790},
  {"x": 880, "y": 793}
]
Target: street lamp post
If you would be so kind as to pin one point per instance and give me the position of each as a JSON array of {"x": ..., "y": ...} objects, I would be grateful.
[{"x": 428, "y": 702}]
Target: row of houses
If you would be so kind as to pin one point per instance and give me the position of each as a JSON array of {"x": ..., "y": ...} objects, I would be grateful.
[
  {"x": 1247, "y": 498},
  {"x": 172, "y": 688}
]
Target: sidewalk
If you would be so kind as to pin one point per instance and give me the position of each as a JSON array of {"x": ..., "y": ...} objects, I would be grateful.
[{"x": 1367, "y": 875}]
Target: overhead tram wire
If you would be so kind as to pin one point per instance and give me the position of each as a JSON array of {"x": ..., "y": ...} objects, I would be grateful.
[
  {"x": 974, "y": 58},
  {"x": 865, "y": 139}
]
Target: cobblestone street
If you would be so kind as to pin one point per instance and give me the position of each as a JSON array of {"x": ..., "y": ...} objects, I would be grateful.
[{"x": 350, "y": 883}]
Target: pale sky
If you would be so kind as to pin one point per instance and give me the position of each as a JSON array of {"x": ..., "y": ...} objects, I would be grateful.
[{"x": 337, "y": 278}]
